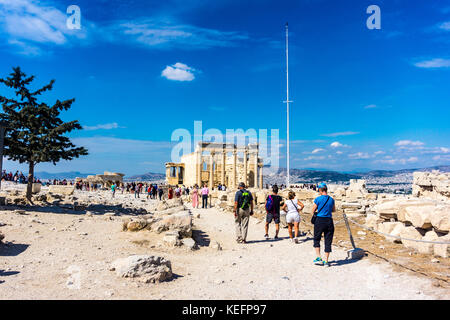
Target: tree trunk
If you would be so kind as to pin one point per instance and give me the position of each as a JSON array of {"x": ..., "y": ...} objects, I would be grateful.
[{"x": 30, "y": 180}]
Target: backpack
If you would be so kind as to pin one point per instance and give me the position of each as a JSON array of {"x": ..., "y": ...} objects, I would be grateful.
[
  {"x": 269, "y": 204},
  {"x": 245, "y": 199}
]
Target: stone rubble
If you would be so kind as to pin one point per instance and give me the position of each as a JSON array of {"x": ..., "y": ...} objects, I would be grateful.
[{"x": 149, "y": 269}]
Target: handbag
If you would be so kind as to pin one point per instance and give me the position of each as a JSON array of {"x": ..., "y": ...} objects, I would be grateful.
[{"x": 314, "y": 217}]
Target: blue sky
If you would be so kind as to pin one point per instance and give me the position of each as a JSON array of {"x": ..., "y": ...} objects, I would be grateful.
[{"x": 376, "y": 99}]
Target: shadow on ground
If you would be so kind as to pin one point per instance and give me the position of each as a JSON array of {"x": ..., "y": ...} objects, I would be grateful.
[
  {"x": 201, "y": 238},
  {"x": 4, "y": 273},
  {"x": 95, "y": 209},
  {"x": 337, "y": 263},
  {"x": 12, "y": 249}
]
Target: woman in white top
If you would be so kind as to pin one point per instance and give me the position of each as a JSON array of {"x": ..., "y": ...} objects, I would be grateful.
[{"x": 293, "y": 207}]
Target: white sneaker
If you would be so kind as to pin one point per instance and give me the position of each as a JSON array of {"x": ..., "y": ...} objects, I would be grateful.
[{"x": 291, "y": 239}]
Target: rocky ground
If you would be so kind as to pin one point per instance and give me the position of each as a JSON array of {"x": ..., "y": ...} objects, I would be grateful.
[{"x": 51, "y": 253}]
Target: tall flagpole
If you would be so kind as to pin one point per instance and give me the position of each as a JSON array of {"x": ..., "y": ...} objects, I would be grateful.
[{"x": 287, "y": 105}]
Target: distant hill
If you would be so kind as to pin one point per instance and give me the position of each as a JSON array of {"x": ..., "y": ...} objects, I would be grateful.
[
  {"x": 390, "y": 173},
  {"x": 149, "y": 176},
  {"x": 315, "y": 175},
  {"x": 60, "y": 175}
]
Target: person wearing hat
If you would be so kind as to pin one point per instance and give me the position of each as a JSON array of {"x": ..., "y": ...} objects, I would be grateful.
[
  {"x": 323, "y": 223},
  {"x": 243, "y": 209}
]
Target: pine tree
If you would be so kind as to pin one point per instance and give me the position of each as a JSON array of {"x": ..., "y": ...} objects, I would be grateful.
[{"x": 35, "y": 132}]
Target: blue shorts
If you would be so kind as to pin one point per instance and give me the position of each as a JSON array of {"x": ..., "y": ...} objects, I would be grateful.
[{"x": 275, "y": 217}]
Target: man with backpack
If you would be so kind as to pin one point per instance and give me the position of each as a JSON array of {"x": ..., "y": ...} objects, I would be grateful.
[
  {"x": 273, "y": 202},
  {"x": 243, "y": 209},
  {"x": 323, "y": 223}
]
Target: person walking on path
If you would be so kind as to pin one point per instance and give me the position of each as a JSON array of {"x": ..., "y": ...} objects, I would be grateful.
[
  {"x": 323, "y": 224},
  {"x": 136, "y": 191},
  {"x": 243, "y": 209},
  {"x": 293, "y": 206},
  {"x": 195, "y": 197},
  {"x": 154, "y": 191},
  {"x": 170, "y": 193},
  {"x": 160, "y": 193},
  {"x": 272, "y": 205},
  {"x": 205, "y": 193},
  {"x": 113, "y": 189}
]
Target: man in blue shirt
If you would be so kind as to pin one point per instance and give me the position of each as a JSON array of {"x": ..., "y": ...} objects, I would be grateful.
[{"x": 324, "y": 204}]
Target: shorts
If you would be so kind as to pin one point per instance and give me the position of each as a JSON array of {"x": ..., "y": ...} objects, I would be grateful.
[
  {"x": 275, "y": 217},
  {"x": 324, "y": 226},
  {"x": 292, "y": 217}
]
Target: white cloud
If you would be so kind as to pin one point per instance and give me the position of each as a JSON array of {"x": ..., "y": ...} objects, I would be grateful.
[
  {"x": 441, "y": 158},
  {"x": 402, "y": 161},
  {"x": 314, "y": 158},
  {"x": 409, "y": 144},
  {"x": 370, "y": 106},
  {"x": 434, "y": 63},
  {"x": 161, "y": 34},
  {"x": 338, "y": 134},
  {"x": 359, "y": 155},
  {"x": 106, "y": 126},
  {"x": 376, "y": 153},
  {"x": 317, "y": 150},
  {"x": 43, "y": 23},
  {"x": 435, "y": 150},
  {"x": 445, "y": 26},
  {"x": 178, "y": 72},
  {"x": 337, "y": 144},
  {"x": 25, "y": 21}
]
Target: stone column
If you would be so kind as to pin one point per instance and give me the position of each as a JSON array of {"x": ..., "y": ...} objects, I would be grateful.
[
  {"x": 261, "y": 177},
  {"x": 199, "y": 168},
  {"x": 224, "y": 156},
  {"x": 211, "y": 170},
  {"x": 234, "y": 168},
  {"x": 245, "y": 168},
  {"x": 255, "y": 177}
]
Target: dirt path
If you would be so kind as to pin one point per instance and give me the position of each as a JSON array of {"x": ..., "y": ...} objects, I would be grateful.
[{"x": 45, "y": 246}]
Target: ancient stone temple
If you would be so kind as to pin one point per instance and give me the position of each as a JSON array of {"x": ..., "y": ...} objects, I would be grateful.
[{"x": 218, "y": 163}]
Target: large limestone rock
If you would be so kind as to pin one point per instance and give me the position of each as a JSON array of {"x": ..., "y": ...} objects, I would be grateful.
[
  {"x": 63, "y": 190},
  {"x": 442, "y": 250},
  {"x": 387, "y": 227},
  {"x": 261, "y": 197},
  {"x": 372, "y": 221},
  {"x": 169, "y": 203},
  {"x": 339, "y": 193},
  {"x": 410, "y": 233},
  {"x": 181, "y": 222},
  {"x": 357, "y": 189},
  {"x": 440, "y": 219},
  {"x": 419, "y": 216},
  {"x": 304, "y": 195},
  {"x": 222, "y": 195},
  {"x": 136, "y": 225},
  {"x": 394, "y": 208},
  {"x": 435, "y": 185},
  {"x": 172, "y": 238},
  {"x": 36, "y": 188},
  {"x": 387, "y": 210},
  {"x": 396, "y": 233},
  {"x": 424, "y": 247},
  {"x": 148, "y": 268}
]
